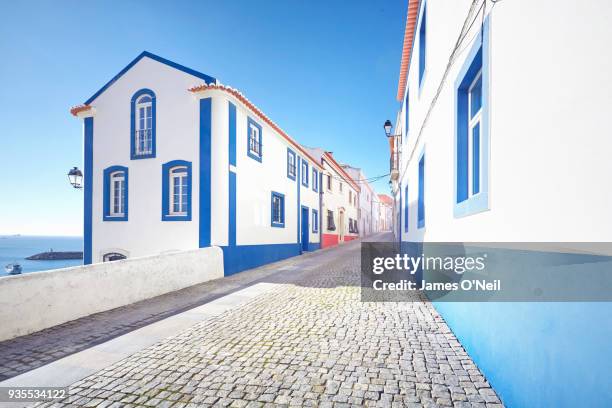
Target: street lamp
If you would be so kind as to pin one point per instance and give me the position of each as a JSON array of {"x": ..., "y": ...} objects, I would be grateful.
[
  {"x": 75, "y": 176},
  {"x": 388, "y": 126}
]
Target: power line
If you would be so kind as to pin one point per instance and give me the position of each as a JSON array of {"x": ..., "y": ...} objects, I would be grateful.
[{"x": 467, "y": 25}]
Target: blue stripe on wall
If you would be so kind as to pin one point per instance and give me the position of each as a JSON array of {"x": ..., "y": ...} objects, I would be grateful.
[
  {"x": 242, "y": 257},
  {"x": 205, "y": 170},
  {"x": 232, "y": 210},
  {"x": 232, "y": 134},
  {"x": 231, "y": 228},
  {"x": 298, "y": 182},
  {"x": 88, "y": 196}
]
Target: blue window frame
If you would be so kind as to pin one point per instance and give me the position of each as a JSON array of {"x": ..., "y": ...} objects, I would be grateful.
[
  {"x": 176, "y": 191},
  {"x": 407, "y": 116},
  {"x": 471, "y": 129},
  {"x": 315, "y": 221},
  {"x": 115, "y": 194},
  {"x": 315, "y": 180},
  {"x": 421, "y": 203},
  {"x": 254, "y": 146},
  {"x": 406, "y": 209},
  {"x": 277, "y": 210},
  {"x": 422, "y": 44},
  {"x": 291, "y": 164},
  {"x": 142, "y": 125},
  {"x": 304, "y": 173}
]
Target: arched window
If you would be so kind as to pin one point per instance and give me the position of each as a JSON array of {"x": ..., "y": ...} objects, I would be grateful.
[
  {"x": 143, "y": 124},
  {"x": 176, "y": 191},
  {"x": 115, "y": 193},
  {"x": 178, "y": 186},
  {"x": 113, "y": 256}
]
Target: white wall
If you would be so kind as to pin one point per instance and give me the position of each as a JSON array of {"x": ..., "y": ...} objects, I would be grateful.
[
  {"x": 335, "y": 199},
  {"x": 177, "y": 137},
  {"x": 550, "y": 100},
  {"x": 35, "y": 301},
  {"x": 256, "y": 180}
]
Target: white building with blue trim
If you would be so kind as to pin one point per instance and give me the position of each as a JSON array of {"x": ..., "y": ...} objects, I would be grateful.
[
  {"x": 175, "y": 161},
  {"x": 502, "y": 136}
]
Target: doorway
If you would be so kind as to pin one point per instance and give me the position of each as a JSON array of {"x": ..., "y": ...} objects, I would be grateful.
[{"x": 305, "y": 228}]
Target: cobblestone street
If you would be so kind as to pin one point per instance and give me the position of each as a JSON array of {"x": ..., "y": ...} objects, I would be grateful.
[{"x": 309, "y": 342}]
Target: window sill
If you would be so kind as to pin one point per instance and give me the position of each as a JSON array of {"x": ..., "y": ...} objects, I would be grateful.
[
  {"x": 473, "y": 205},
  {"x": 142, "y": 156},
  {"x": 291, "y": 177},
  {"x": 115, "y": 218},
  {"x": 254, "y": 156},
  {"x": 277, "y": 225},
  {"x": 169, "y": 217}
]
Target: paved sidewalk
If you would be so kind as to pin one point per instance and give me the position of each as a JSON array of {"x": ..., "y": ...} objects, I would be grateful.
[{"x": 308, "y": 342}]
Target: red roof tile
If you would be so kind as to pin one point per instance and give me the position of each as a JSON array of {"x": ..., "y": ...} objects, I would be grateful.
[
  {"x": 256, "y": 110},
  {"x": 411, "y": 18}
]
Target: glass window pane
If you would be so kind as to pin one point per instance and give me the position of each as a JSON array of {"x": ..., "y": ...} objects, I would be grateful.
[{"x": 476, "y": 97}]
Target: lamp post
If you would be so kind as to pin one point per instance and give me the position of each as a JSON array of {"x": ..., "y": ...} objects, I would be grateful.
[
  {"x": 394, "y": 160},
  {"x": 75, "y": 176},
  {"x": 388, "y": 126}
]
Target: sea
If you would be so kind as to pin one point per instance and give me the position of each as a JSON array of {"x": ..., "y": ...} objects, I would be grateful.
[{"x": 17, "y": 248}]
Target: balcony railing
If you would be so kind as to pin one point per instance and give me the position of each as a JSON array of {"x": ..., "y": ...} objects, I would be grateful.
[{"x": 143, "y": 142}]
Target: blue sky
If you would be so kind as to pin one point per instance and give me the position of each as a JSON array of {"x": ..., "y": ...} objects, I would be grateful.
[{"x": 325, "y": 71}]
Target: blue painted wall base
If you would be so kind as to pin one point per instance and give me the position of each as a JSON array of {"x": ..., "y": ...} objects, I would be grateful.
[
  {"x": 243, "y": 257},
  {"x": 547, "y": 354}
]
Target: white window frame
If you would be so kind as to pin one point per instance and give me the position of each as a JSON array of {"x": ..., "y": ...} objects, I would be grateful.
[
  {"x": 292, "y": 164},
  {"x": 144, "y": 133},
  {"x": 180, "y": 173},
  {"x": 119, "y": 210},
  {"x": 254, "y": 143},
  {"x": 277, "y": 200},
  {"x": 472, "y": 123}
]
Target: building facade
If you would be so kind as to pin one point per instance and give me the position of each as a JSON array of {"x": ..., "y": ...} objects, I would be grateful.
[
  {"x": 385, "y": 213},
  {"x": 365, "y": 212},
  {"x": 339, "y": 201},
  {"x": 171, "y": 165},
  {"x": 500, "y": 137}
]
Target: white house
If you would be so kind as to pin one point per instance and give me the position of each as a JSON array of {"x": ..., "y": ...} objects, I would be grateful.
[
  {"x": 339, "y": 196},
  {"x": 503, "y": 136},
  {"x": 365, "y": 212},
  {"x": 175, "y": 161}
]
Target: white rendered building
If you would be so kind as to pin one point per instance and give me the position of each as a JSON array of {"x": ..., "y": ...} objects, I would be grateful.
[
  {"x": 503, "y": 137},
  {"x": 366, "y": 197},
  {"x": 175, "y": 161},
  {"x": 340, "y": 196}
]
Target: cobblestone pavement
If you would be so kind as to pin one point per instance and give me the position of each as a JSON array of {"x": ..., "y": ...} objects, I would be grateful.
[
  {"x": 28, "y": 352},
  {"x": 310, "y": 342}
]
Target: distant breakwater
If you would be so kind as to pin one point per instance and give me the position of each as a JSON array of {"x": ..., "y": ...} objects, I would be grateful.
[{"x": 55, "y": 256}]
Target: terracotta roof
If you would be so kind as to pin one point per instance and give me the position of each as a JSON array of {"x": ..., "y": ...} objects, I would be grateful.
[
  {"x": 385, "y": 199},
  {"x": 411, "y": 18},
  {"x": 75, "y": 110},
  {"x": 238, "y": 95},
  {"x": 342, "y": 172}
]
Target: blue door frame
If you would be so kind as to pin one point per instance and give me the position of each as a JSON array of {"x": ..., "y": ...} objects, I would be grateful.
[{"x": 305, "y": 228}]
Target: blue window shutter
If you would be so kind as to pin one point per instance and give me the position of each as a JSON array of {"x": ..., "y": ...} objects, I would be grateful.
[{"x": 422, "y": 43}]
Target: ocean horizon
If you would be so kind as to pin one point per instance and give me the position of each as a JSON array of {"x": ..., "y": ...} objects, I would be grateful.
[{"x": 15, "y": 248}]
